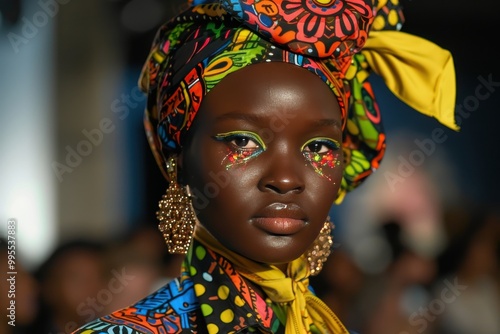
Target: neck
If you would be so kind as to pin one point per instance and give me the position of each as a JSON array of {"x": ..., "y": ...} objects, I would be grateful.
[
  {"x": 5, "y": 327},
  {"x": 283, "y": 267}
]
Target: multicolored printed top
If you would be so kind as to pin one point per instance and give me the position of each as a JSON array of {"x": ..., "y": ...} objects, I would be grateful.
[{"x": 208, "y": 297}]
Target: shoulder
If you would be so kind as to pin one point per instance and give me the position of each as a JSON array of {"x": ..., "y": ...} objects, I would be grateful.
[{"x": 168, "y": 310}]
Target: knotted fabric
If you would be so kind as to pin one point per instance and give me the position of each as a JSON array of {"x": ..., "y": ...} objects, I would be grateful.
[
  {"x": 417, "y": 71},
  {"x": 290, "y": 290}
]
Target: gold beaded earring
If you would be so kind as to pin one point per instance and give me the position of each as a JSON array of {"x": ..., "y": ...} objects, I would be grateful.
[
  {"x": 176, "y": 216},
  {"x": 320, "y": 249}
]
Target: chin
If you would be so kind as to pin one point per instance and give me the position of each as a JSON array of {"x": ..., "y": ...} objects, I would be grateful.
[{"x": 278, "y": 252}]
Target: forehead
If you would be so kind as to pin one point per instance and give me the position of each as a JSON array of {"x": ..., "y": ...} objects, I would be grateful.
[{"x": 267, "y": 89}]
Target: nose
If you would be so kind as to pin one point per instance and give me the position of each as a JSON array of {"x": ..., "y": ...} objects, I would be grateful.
[{"x": 284, "y": 173}]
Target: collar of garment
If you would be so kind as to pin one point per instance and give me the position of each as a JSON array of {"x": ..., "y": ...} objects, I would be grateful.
[{"x": 227, "y": 302}]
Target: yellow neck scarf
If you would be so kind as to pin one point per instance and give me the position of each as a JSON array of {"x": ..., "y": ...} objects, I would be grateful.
[{"x": 291, "y": 290}]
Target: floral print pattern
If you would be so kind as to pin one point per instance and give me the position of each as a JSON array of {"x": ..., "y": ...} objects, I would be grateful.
[{"x": 318, "y": 28}]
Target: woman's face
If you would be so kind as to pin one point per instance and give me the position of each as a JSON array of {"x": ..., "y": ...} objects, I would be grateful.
[{"x": 265, "y": 160}]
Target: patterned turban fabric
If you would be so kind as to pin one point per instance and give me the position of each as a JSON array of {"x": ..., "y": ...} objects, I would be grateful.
[{"x": 341, "y": 42}]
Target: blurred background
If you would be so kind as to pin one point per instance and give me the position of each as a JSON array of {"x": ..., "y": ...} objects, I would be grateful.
[{"x": 417, "y": 245}]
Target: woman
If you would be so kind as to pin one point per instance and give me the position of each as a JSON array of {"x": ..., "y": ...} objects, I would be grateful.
[{"x": 260, "y": 116}]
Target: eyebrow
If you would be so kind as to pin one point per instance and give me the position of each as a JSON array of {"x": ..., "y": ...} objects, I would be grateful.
[
  {"x": 327, "y": 122},
  {"x": 324, "y": 122},
  {"x": 241, "y": 116}
]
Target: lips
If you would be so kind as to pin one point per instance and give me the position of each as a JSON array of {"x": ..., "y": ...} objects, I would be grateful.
[{"x": 280, "y": 219}]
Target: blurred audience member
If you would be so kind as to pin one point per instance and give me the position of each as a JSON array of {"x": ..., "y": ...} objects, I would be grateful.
[
  {"x": 396, "y": 237},
  {"x": 470, "y": 270},
  {"x": 142, "y": 258},
  {"x": 71, "y": 280},
  {"x": 404, "y": 189},
  {"x": 401, "y": 289},
  {"x": 21, "y": 289},
  {"x": 339, "y": 285}
]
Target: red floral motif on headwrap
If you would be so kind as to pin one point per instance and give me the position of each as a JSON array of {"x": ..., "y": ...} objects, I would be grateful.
[
  {"x": 318, "y": 28},
  {"x": 314, "y": 18}
]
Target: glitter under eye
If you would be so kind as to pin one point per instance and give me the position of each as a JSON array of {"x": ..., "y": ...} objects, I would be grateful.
[
  {"x": 239, "y": 157},
  {"x": 322, "y": 160}
]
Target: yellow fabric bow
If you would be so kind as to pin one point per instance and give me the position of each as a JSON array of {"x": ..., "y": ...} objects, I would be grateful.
[
  {"x": 417, "y": 71},
  {"x": 290, "y": 290}
]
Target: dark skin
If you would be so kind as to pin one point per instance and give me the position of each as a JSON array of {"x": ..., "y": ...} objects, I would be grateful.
[{"x": 258, "y": 131}]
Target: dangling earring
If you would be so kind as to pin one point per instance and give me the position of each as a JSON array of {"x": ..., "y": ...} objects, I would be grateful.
[
  {"x": 176, "y": 214},
  {"x": 320, "y": 249}
]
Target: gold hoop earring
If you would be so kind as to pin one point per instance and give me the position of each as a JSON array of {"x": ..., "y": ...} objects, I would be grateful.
[
  {"x": 176, "y": 216},
  {"x": 321, "y": 248}
]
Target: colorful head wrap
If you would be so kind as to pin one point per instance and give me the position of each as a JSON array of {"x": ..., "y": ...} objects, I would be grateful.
[{"x": 339, "y": 41}]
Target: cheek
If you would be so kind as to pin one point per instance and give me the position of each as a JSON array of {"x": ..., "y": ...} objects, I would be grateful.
[
  {"x": 325, "y": 180},
  {"x": 206, "y": 174}
]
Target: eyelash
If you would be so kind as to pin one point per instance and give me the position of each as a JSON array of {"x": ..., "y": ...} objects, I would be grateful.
[{"x": 330, "y": 144}]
